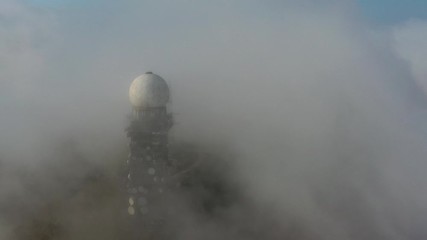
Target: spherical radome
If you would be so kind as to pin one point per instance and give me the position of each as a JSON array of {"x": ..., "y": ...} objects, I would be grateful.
[{"x": 148, "y": 91}]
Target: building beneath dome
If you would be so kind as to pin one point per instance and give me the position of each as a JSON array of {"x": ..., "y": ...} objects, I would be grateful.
[{"x": 148, "y": 171}]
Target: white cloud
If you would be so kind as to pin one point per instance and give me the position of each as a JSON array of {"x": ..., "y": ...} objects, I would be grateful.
[
  {"x": 304, "y": 95},
  {"x": 411, "y": 44},
  {"x": 24, "y": 35}
]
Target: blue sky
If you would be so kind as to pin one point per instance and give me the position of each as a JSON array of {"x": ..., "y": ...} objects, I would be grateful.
[
  {"x": 382, "y": 12},
  {"x": 62, "y": 3},
  {"x": 393, "y": 11}
]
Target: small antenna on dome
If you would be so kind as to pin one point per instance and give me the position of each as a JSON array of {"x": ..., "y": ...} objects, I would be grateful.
[{"x": 149, "y": 72}]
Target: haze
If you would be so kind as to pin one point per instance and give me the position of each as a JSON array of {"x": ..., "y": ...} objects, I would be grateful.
[{"x": 324, "y": 111}]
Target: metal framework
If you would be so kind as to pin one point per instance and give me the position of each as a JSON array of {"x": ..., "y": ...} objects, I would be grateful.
[{"x": 148, "y": 173}]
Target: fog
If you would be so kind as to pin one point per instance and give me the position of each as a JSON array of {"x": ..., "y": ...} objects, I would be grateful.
[{"x": 320, "y": 117}]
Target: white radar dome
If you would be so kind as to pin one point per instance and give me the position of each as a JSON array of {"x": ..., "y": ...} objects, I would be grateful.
[{"x": 148, "y": 91}]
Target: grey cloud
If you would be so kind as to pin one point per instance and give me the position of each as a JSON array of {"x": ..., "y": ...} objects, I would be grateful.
[{"x": 314, "y": 107}]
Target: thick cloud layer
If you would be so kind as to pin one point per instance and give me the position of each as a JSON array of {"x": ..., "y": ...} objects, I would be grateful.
[{"x": 325, "y": 115}]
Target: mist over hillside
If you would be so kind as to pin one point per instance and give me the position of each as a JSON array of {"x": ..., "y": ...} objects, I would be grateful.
[{"x": 311, "y": 123}]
